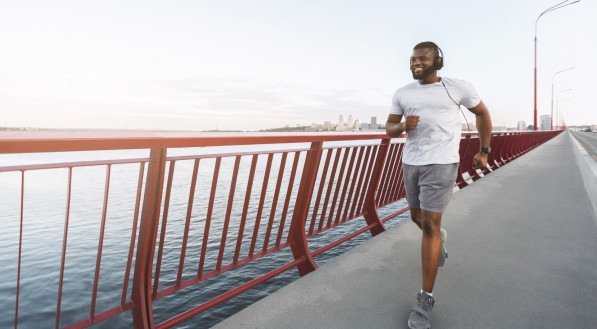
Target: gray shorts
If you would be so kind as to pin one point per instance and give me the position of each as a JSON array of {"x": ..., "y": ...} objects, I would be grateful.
[{"x": 430, "y": 187}]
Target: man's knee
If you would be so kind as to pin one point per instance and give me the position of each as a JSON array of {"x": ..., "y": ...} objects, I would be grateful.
[{"x": 431, "y": 222}]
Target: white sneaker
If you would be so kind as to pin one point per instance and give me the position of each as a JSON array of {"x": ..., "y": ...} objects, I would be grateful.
[
  {"x": 420, "y": 316},
  {"x": 444, "y": 253}
]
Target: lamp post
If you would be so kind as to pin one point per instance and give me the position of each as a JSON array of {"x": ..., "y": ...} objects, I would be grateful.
[
  {"x": 552, "y": 79},
  {"x": 558, "y": 106},
  {"x": 552, "y": 8}
]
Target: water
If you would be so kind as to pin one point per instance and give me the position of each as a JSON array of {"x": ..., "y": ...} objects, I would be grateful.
[{"x": 45, "y": 202}]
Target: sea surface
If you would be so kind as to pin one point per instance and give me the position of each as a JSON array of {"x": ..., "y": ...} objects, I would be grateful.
[{"x": 44, "y": 216}]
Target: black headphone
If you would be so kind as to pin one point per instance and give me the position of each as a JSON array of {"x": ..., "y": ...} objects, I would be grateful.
[{"x": 438, "y": 62}]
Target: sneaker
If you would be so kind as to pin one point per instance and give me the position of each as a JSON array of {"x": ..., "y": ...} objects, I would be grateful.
[
  {"x": 444, "y": 252},
  {"x": 420, "y": 316}
]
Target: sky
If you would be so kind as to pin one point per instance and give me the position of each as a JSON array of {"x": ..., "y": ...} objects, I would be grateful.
[{"x": 249, "y": 65}]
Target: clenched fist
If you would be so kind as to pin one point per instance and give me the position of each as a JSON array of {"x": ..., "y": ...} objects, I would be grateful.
[
  {"x": 480, "y": 161},
  {"x": 411, "y": 122}
]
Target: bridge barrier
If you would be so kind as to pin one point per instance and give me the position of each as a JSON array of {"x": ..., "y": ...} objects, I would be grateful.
[
  {"x": 291, "y": 194},
  {"x": 588, "y": 169}
]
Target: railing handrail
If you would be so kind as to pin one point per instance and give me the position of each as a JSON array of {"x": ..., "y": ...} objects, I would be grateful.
[{"x": 66, "y": 141}]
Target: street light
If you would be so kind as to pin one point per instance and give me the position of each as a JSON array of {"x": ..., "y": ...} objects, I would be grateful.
[
  {"x": 558, "y": 106},
  {"x": 552, "y": 78},
  {"x": 552, "y": 8}
]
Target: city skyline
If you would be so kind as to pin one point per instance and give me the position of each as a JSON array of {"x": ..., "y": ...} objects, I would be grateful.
[
  {"x": 353, "y": 124},
  {"x": 250, "y": 66}
]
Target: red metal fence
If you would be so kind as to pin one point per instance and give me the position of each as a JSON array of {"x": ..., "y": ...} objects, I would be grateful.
[{"x": 307, "y": 190}]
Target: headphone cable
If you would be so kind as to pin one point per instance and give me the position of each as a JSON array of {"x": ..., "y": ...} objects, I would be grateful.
[{"x": 461, "y": 111}]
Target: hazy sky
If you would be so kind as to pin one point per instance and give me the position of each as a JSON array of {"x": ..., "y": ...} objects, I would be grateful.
[{"x": 250, "y": 65}]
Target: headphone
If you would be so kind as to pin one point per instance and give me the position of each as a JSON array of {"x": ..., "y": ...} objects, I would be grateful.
[{"x": 438, "y": 62}]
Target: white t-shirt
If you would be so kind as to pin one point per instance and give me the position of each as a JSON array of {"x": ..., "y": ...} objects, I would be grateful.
[{"x": 437, "y": 137}]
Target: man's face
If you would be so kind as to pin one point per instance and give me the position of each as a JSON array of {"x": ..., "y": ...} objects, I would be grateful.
[{"x": 421, "y": 63}]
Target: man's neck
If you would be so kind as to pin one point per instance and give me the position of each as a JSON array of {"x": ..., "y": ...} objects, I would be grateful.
[{"x": 432, "y": 78}]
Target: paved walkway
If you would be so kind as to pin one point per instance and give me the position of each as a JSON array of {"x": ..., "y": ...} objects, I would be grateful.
[{"x": 523, "y": 254}]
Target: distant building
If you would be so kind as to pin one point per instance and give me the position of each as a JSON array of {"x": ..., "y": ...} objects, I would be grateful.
[
  {"x": 521, "y": 125},
  {"x": 545, "y": 122},
  {"x": 312, "y": 127},
  {"x": 350, "y": 125},
  {"x": 371, "y": 126},
  {"x": 341, "y": 126},
  {"x": 368, "y": 126}
]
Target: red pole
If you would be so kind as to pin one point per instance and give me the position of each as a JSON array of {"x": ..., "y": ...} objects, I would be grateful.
[
  {"x": 535, "y": 84},
  {"x": 370, "y": 208},
  {"x": 142, "y": 299},
  {"x": 297, "y": 236}
]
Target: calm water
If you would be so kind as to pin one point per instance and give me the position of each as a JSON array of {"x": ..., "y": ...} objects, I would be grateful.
[{"x": 43, "y": 226}]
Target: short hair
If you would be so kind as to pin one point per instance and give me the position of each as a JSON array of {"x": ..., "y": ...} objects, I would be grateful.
[{"x": 428, "y": 44}]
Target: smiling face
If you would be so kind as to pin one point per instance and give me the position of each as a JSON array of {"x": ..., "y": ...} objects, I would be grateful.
[{"x": 421, "y": 63}]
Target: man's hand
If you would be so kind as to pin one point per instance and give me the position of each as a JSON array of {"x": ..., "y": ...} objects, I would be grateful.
[
  {"x": 395, "y": 128},
  {"x": 480, "y": 161},
  {"x": 411, "y": 122}
]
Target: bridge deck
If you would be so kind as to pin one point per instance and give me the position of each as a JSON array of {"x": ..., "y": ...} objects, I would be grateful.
[{"x": 522, "y": 244}]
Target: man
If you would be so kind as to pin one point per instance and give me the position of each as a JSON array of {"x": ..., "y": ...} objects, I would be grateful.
[{"x": 430, "y": 160}]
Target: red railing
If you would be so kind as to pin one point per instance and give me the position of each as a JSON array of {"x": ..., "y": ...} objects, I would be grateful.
[{"x": 307, "y": 190}]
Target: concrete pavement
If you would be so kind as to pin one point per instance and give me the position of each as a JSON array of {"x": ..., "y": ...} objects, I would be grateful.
[{"x": 522, "y": 246}]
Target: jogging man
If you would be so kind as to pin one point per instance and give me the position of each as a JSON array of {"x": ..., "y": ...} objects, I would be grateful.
[{"x": 431, "y": 107}]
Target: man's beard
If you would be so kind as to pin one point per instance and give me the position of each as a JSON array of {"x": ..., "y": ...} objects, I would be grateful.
[{"x": 426, "y": 72}]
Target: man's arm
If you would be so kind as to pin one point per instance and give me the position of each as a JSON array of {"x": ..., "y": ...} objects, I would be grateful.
[
  {"x": 395, "y": 128},
  {"x": 483, "y": 121}
]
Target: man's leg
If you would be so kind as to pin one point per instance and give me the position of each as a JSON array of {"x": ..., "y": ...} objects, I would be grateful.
[
  {"x": 435, "y": 184},
  {"x": 420, "y": 316},
  {"x": 430, "y": 247}
]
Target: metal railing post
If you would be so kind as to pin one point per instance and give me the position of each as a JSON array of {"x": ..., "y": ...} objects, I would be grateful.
[
  {"x": 370, "y": 206},
  {"x": 297, "y": 236},
  {"x": 141, "y": 293},
  {"x": 498, "y": 149},
  {"x": 511, "y": 139},
  {"x": 462, "y": 151}
]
